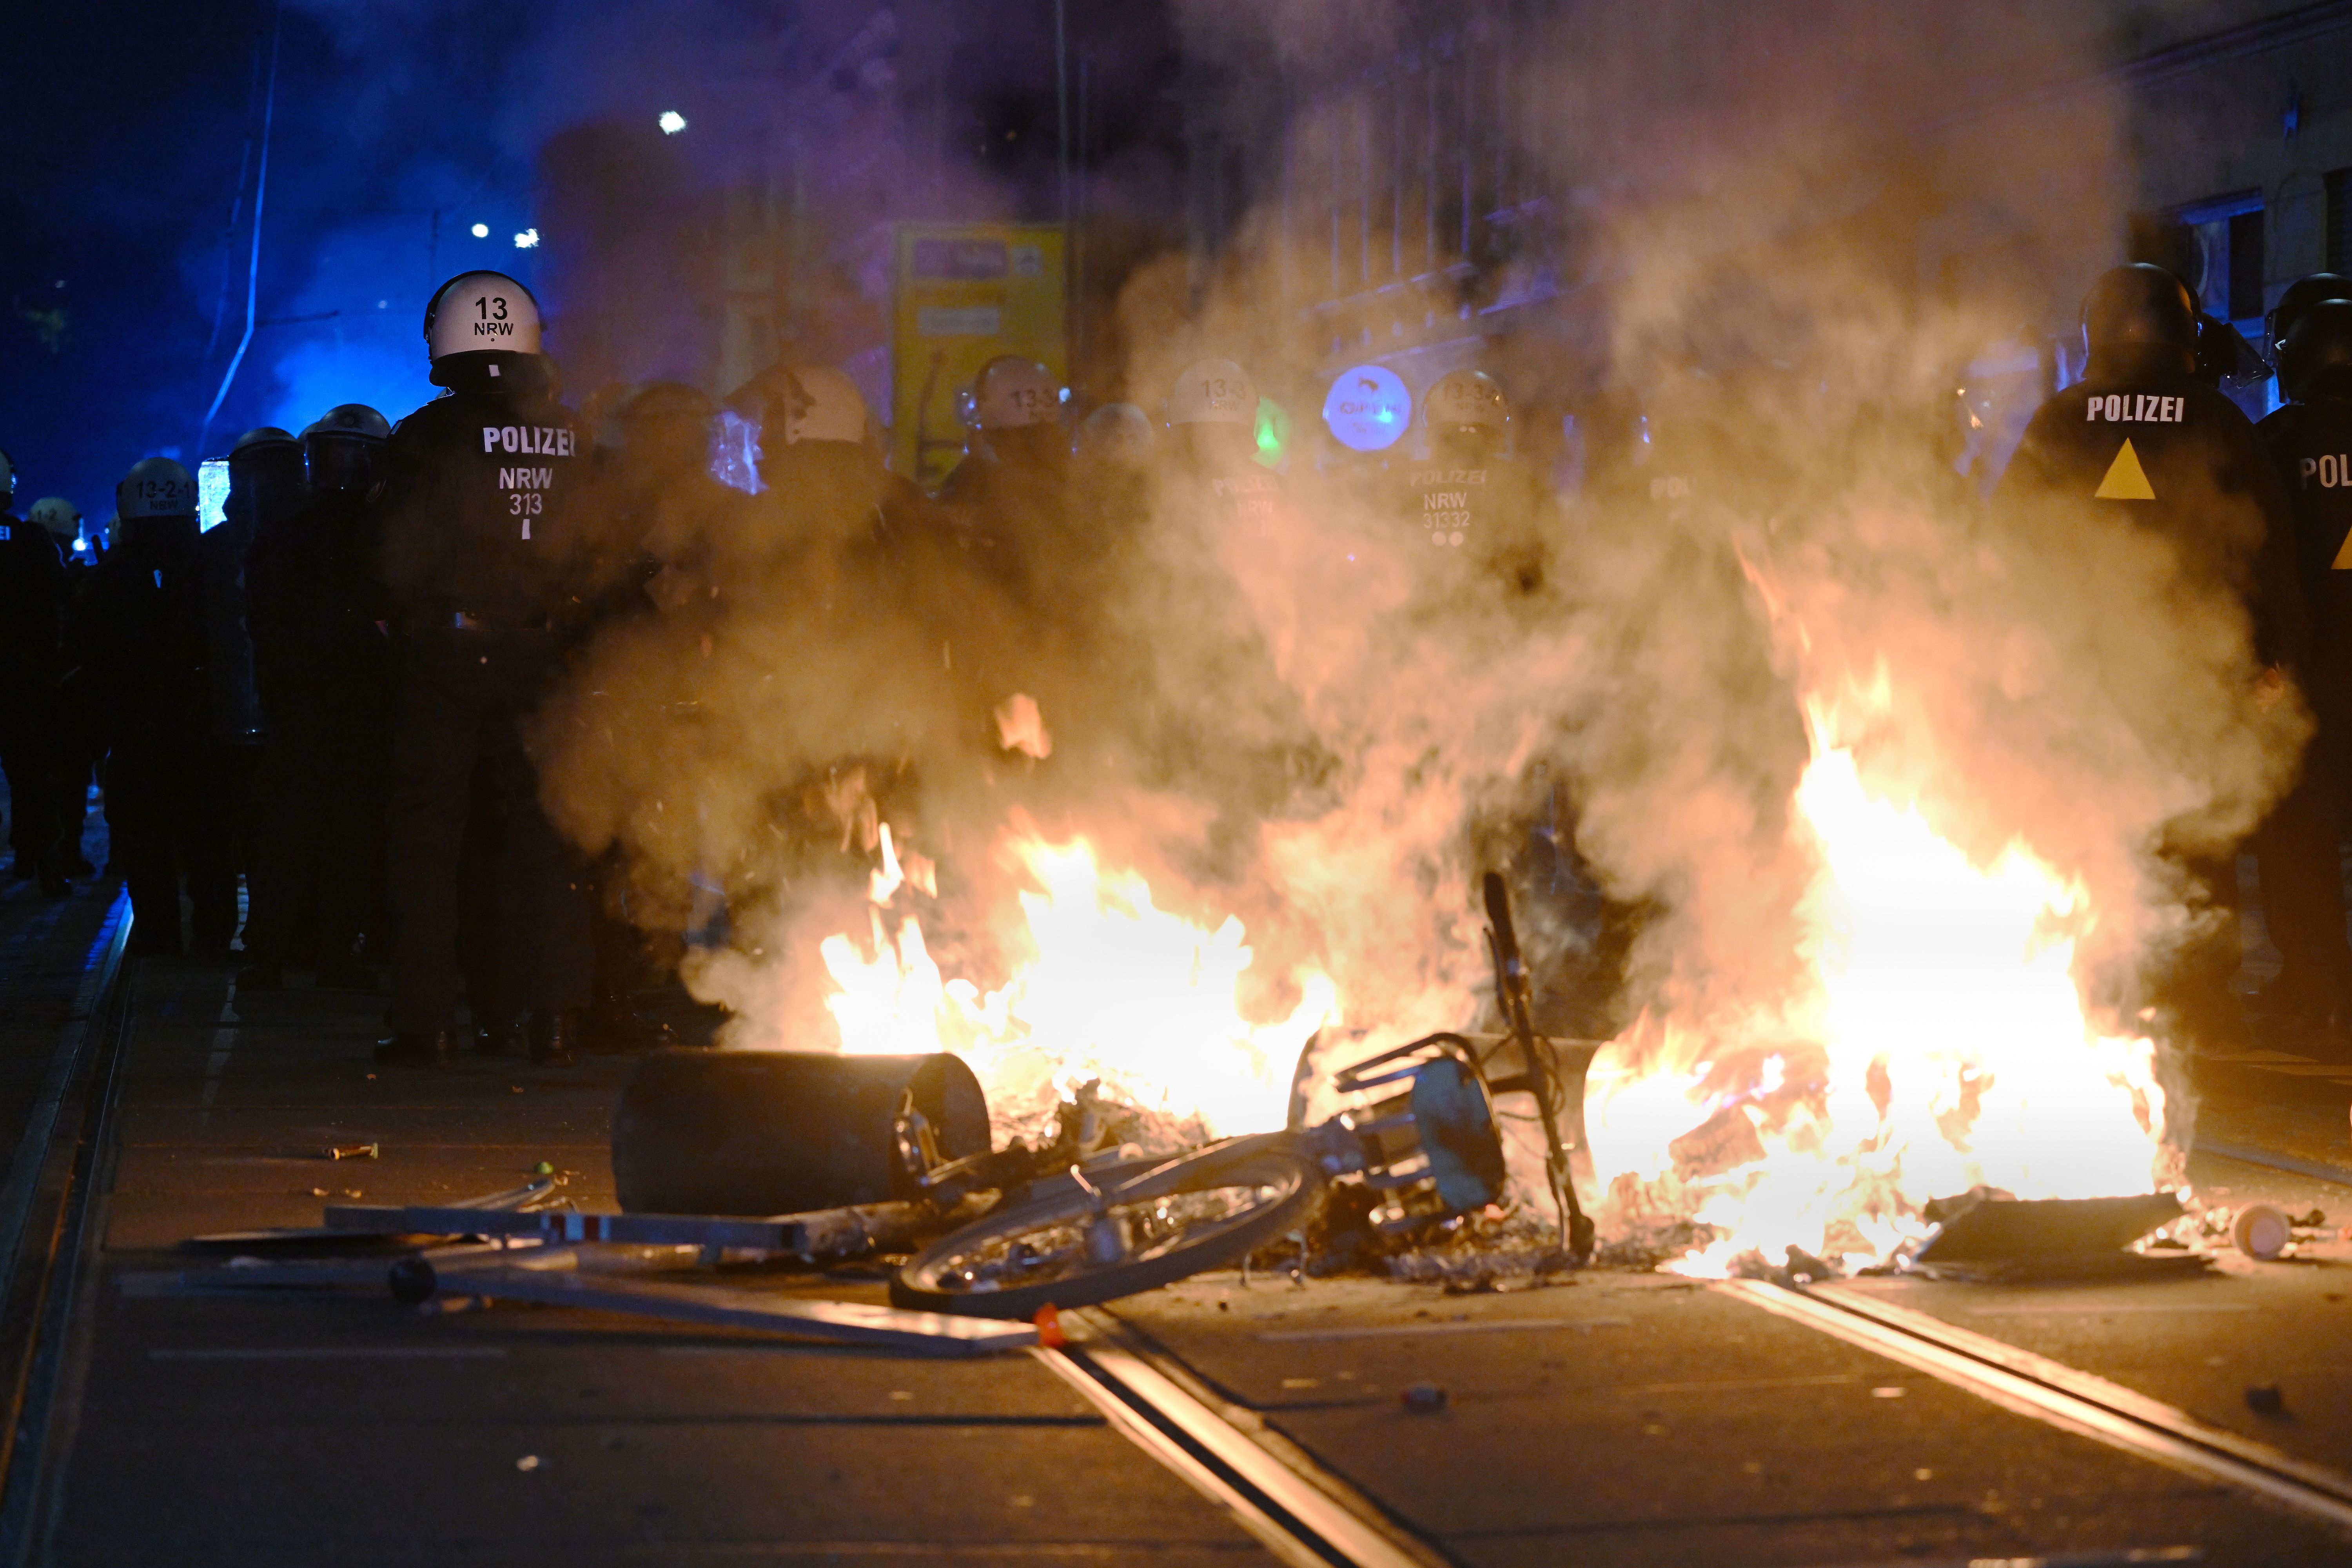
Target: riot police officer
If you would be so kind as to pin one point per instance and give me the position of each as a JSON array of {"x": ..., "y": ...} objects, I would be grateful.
[
  {"x": 2310, "y": 440},
  {"x": 324, "y": 669},
  {"x": 32, "y": 610},
  {"x": 2142, "y": 439},
  {"x": 143, "y": 639},
  {"x": 481, "y": 538},
  {"x": 1468, "y": 500},
  {"x": 1010, "y": 497},
  {"x": 1212, "y": 446}
]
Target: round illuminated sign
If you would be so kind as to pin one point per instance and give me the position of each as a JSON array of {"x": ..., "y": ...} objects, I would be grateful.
[{"x": 1367, "y": 408}]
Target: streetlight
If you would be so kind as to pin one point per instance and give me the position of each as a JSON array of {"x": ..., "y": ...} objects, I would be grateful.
[
  {"x": 527, "y": 240},
  {"x": 481, "y": 231},
  {"x": 671, "y": 122}
]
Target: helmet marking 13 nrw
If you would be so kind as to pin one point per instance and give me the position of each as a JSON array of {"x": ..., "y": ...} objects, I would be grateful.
[
  {"x": 1468, "y": 397},
  {"x": 1011, "y": 392},
  {"x": 1212, "y": 392},
  {"x": 478, "y": 312}
]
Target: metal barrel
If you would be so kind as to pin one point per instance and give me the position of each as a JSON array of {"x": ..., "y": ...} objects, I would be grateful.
[{"x": 772, "y": 1132}]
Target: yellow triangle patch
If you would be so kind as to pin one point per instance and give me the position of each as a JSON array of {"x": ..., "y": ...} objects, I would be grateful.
[
  {"x": 2343, "y": 562},
  {"x": 2126, "y": 480}
]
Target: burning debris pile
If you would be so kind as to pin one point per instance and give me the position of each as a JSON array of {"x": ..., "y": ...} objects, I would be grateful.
[{"x": 1902, "y": 803}]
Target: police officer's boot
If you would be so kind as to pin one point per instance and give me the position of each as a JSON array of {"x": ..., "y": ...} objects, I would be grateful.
[
  {"x": 419, "y": 1047},
  {"x": 498, "y": 1035},
  {"x": 552, "y": 1037}
]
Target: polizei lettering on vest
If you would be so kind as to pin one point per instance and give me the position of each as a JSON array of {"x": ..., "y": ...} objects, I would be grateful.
[
  {"x": 2330, "y": 472},
  {"x": 2136, "y": 409},
  {"x": 542, "y": 440}
]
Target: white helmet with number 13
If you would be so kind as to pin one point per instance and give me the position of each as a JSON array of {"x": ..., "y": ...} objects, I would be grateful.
[
  {"x": 1212, "y": 392},
  {"x": 478, "y": 312}
]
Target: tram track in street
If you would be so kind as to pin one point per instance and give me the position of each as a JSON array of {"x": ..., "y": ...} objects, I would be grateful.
[
  {"x": 2060, "y": 1395},
  {"x": 45, "y": 1223},
  {"x": 1301, "y": 1512}
]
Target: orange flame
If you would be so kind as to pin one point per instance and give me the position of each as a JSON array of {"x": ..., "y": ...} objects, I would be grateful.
[
  {"x": 1937, "y": 1041},
  {"x": 1108, "y": 985}
]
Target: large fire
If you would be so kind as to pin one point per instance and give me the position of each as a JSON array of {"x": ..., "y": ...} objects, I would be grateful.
[
  {"x": 1105, "y": 986},
  {"x": 1936, "y": 1038},
  {"x": 1937, "y": 1042}
]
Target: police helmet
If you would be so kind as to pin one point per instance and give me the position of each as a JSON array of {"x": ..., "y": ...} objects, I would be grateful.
[
  {"x": 350, "y": 421},
  {"x": 2140, "y": 306},
  {"x": 156, "y": 487},
  {"x": 258, "y": 440},
  {"x": 1467, "y": 397},
  {"x": 1212, "y": 392},
  {"x": 815, "y": 403},
  {"x": 667, "y": 400},
  {"x": 339, "y": 447},
  {"x": 57, "y": 515},
  {"x": 476, "y": 312},
  {"x": 2316, "y": 360},
  {"x": 1011, "y": 392},
  {"x": 2300, "y": 295},
  {"x": 1117, "y": 432}
]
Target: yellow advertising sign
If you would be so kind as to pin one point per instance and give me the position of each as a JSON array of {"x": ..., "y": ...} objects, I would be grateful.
[{"x": 961, "y": 294}]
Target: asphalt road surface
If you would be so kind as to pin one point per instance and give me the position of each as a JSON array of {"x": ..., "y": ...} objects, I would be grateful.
[{"x": 1600, "y": 1418}]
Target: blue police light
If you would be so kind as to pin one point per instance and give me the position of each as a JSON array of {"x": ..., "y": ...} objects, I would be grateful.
[
  {"x": 735, "y": 452},
  {"x": 211, "y": 494},
  {"x": 1369, "y": 409}
]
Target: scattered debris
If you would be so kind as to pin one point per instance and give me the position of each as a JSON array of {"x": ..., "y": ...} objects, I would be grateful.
[
  {"x": 353, "y": 1151},
  {"x": 829, "y": 1234},
  {"x": 552, "y": 1276},
  {"x": 2265, "y": 1399},
  {"x": 544, "y": 1169},
  {"x": 528, "y": 1463},
  {"x": 2261, "y": 1231},
  {"x": 1990, "y": 1236},
  {"x": 1422, "y": 1398},
  {"x": 1048, "y": 1323}
]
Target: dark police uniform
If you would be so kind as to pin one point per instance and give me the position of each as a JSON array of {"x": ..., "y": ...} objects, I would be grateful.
[
  {"x": 142, "y": 641},
  {"x": 2303, "y": 889},
  {"x": 325, "y": 674},
  {"x": 480, "y": 539},
  {"x": 2172, "y": 456},
  {"x": 1488, "y": 513},
  {"x": 32, "y": 610}
]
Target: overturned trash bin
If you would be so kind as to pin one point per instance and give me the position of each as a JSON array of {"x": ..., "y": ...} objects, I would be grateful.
[{"x": 773, "y": 1133}]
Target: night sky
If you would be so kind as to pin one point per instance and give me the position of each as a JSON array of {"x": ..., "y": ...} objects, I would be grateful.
[
  {"x": 130, "y": 196},
  {"x": 126, "y": 278}
]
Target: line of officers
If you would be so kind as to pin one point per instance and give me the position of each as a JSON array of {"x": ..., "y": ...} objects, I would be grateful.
[
  {"x": 326, "y": 699},
  {"x": 413, "y": 595}
]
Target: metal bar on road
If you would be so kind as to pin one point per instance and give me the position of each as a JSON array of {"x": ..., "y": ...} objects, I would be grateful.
[
  {"x": 2337, "y": 1174},
  {"x": 824, "y": 1233},
  {"x": 720, "y": 1306},
  {"x": 2058, "y": 1396}
]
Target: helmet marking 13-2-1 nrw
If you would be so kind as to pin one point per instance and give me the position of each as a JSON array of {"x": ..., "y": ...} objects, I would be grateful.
[{"x": 156, "y": 487}]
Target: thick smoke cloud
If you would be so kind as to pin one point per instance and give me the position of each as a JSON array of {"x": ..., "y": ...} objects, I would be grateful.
[{"x": 1797, "y": 228}]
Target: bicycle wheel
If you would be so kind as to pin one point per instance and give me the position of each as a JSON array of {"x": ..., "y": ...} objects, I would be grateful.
[{"x": 1074, "y": 1250}]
